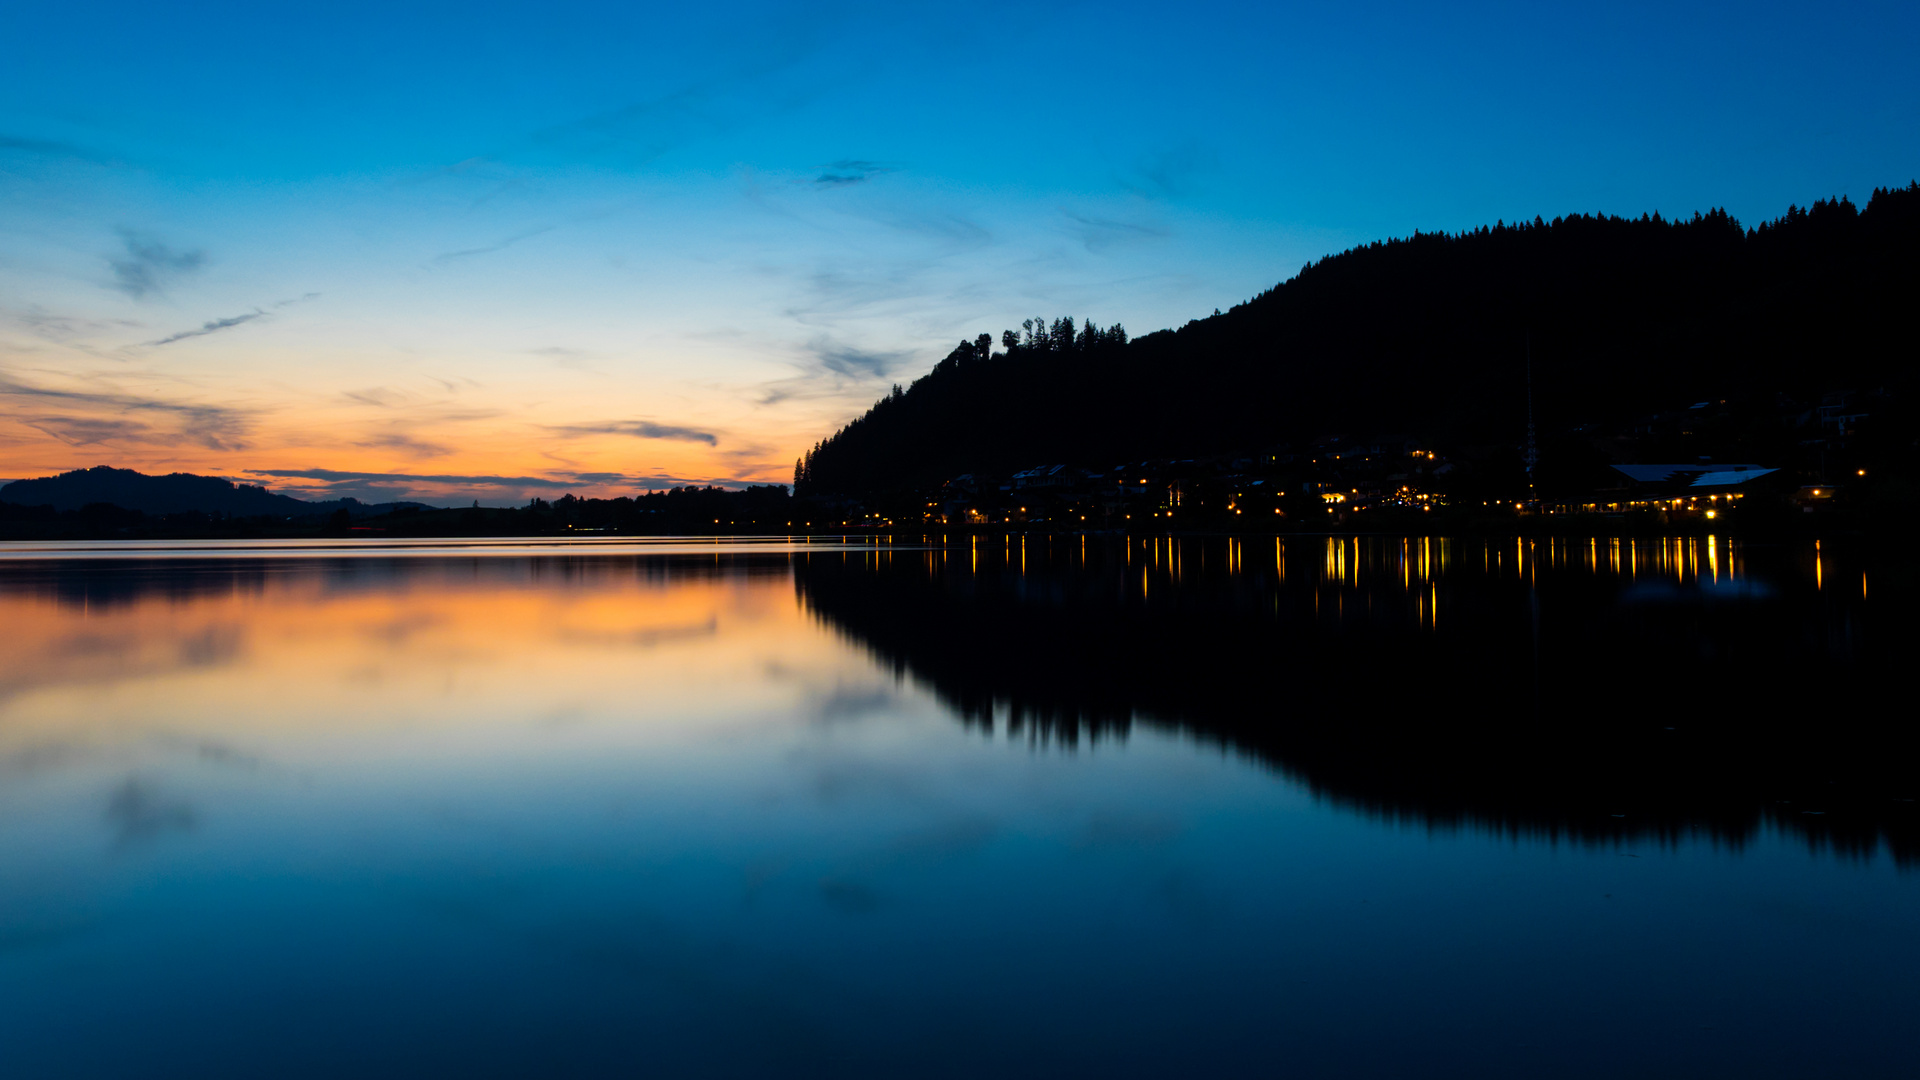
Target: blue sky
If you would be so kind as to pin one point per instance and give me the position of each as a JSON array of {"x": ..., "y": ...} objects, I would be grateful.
[{"x": 521, "y": 248}]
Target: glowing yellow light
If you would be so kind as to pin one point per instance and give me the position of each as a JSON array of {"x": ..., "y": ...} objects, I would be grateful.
[{"x": 1710, "y": 514}]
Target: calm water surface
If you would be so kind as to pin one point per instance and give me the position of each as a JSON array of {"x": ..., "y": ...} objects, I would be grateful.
[{"x": 1327, "y": 807}]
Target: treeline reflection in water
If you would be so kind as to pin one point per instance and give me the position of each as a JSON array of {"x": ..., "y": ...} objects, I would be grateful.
[{"x": 1592, "y": 689}]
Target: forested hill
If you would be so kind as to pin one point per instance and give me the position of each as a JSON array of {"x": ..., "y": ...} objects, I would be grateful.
[
  {"x": 174, "y": 493},
  {"x": 1429, "y": 337}
]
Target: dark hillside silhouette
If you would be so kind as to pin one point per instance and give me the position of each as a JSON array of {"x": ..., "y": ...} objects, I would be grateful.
[
  {"x": 1430, "y": 336},
  {"x": 85, "y": 505},
  {"x": 175, "y": 493}
]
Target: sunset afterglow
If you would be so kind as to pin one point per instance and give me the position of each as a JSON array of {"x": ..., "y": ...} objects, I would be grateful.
[{"x": 358, "y": 251}]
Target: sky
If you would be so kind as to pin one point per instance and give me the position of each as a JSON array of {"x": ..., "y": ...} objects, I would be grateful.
[{"x": 496, "y": 251}]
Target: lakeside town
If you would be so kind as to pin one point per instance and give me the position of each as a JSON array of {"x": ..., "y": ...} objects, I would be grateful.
[{"x": 1718, "y": 465}]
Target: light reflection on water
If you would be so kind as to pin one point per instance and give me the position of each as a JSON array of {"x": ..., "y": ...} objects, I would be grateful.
[{"x": 1017, "y": 805}]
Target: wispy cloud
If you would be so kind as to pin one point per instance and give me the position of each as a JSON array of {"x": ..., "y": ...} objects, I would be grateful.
[
  {"x": 463, "y": 479},
  {"x": 1097, "y": 234},
  {"x": 1171, "y": 173},
  {"x": 830, "y": 292},
  {"x": 88, "y": 430},
  {"x": 855, "y": 363},
  {"x": 380, "y": 397},
  {"x": 212, "y": 327},
  {"x": 757, "y": 459},
  {"x": 149, "y": 264},
  {"x": 217, "y": 325},
  {"x": 938, "y": 225},
  {"x": 216, "y": 427},
  {"x": 846, "y": 173},
  {"x": 449, "y": 256},
  {"x": 830, "y": 368},
  {"x": 649, "y": 482},
  {"x": 386, "y": 486},
  {"x": 639, "y": 429},
  {"x": 404, "y": 444},
  {"x": 64, "y": 328}
]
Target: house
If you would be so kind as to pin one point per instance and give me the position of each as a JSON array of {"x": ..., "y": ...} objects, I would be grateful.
[
  {"x": 1046, "y": 476},
  {"x": 1703, "y": 488}
]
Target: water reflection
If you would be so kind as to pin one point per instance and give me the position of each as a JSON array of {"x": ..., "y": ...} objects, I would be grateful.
[
  {"x": 1594, "y": 688},
  {"x": 1007, "y": 806}
]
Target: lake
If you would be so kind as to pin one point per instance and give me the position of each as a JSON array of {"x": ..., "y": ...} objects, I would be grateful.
[{"x": 1021, "y": 806}]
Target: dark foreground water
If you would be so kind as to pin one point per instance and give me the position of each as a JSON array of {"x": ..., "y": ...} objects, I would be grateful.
[{"x": 1327, "y": 807}]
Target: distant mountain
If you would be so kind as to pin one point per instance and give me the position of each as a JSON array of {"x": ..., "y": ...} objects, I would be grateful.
[
  {"x": 1437, "y": 338},
  {"x": 174, "y": 493}
]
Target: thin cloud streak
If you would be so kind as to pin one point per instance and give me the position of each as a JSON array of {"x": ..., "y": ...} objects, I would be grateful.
[
  {"x": 217, "y": 325},
  {"x": 1098, "y": 234},
  {"x": 449, "y": 256},
  {"x": 404, "y": 444},
  {"x": 212, "y": 327},
  {"x": 382, "y": 486},
  {"x": 639, "y": 429},
  {"x": 470, "y": 480},
  {"x": 87, "y": 430},
  {"x": 848, "y": 173},
  {"x": 216, "y": 427}
]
